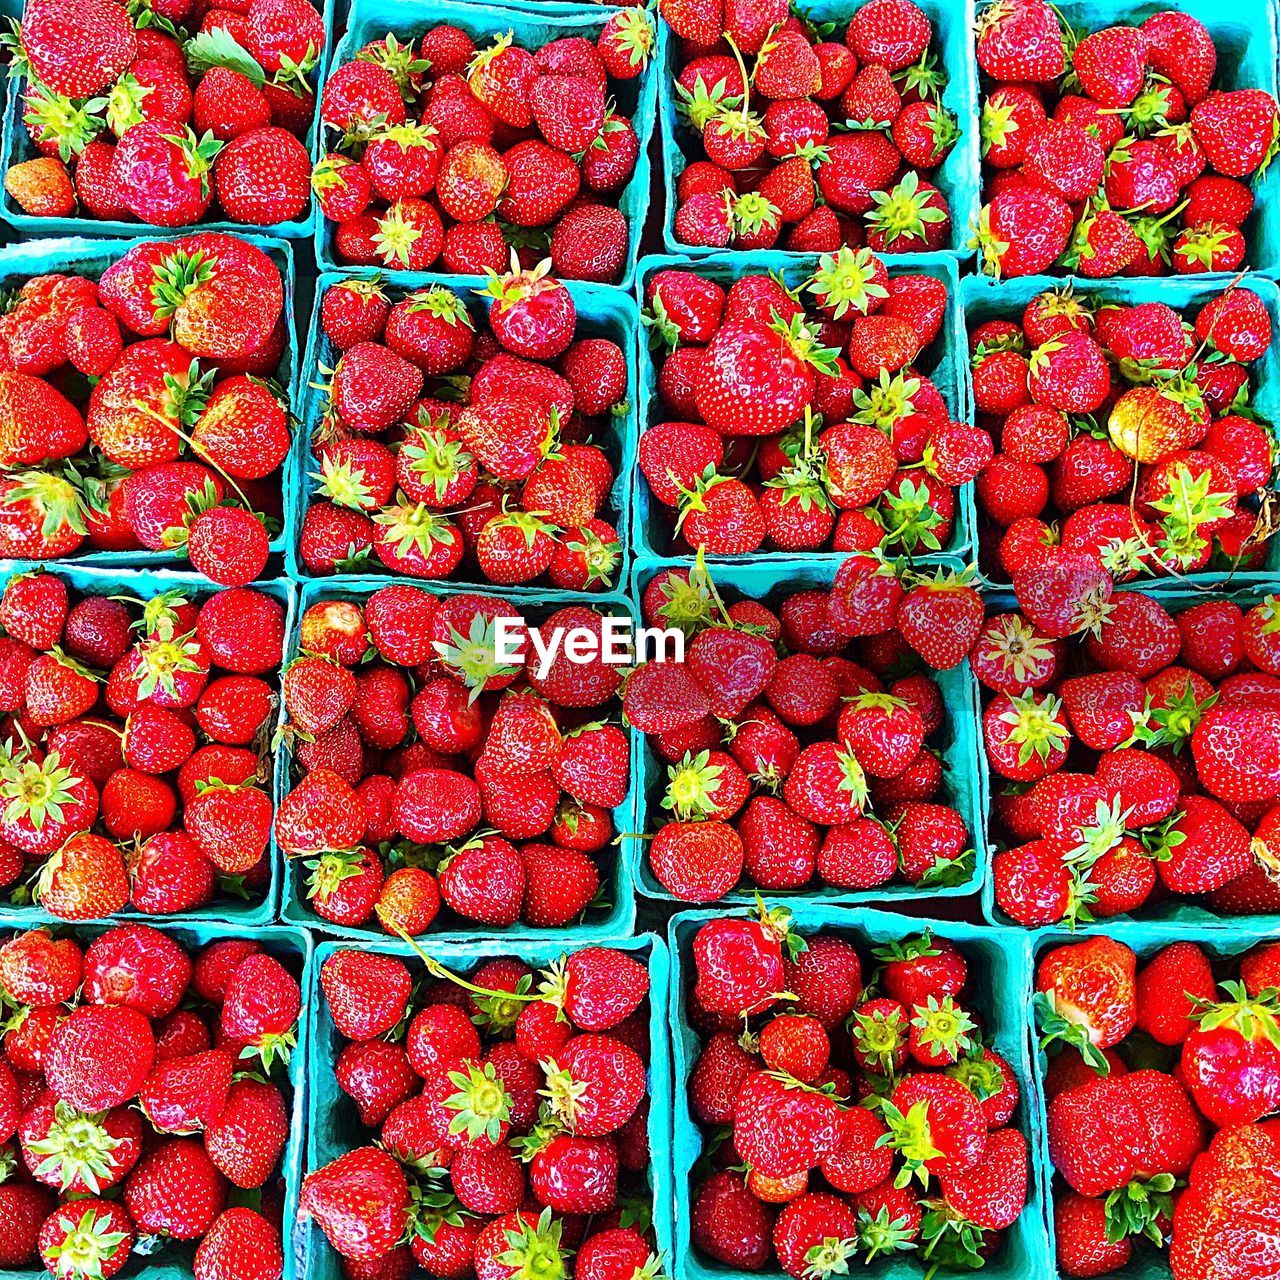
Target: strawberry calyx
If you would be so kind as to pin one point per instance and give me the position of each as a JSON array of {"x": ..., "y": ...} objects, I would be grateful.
[
  {"x": 1057, "y": 1027},
  {"x": 905, "y": 210},
  {"x": 1033, "y": 725},
  {"x": 1188, "y": 509},
  {"x": 481, "y": 1106},
  {"x": 991, "y": 249},
  {"x": 978, "y": 1073},
  {"x": 881, "y": 1234},
  {"x": 945, "y": 1028},
  {"x": 533, "y": 1250},
  {"x": 702, "y": 104},
  {"x": 431, "y": 1209},
  {"x": 1137, "y": 1208},
  {"x": 518, "y": 285},
  {"x": 691, "y": 787},
  {"x": 879, "y": 1036},
  {"x": 413, "y": 526},
  {"x": 752, "y": 213},
  {"x": 77, "y": 1148},
  {"x": 408, "y": 136},
  {"x": 37, "y": 789},
  {"x": 124, "y": 103},
  {"x": 342, "y": 482},
  {"x": 1102, "y": 835},
  {"x": 1204, "y": 244},
  {"x": 330, "y": 869},
  {"x": 472, "y": 658},
  {"x": 399, "y": 62},
  {"x": 197, "y": 154},
  {"x": 921, "y": 78},
  {"x": 1149, "y": 112},
  {"x": 908, "y": 517},
  {"x": 160, "y": 658},
  {"x": 54, "y": 498},
  {"x": 633, "y": 34},
  {"x": 219, "y": 48},
  {"x": 600, "y": 558},
  {"x": 1252, "y": 1017},
  {"x": 803, "y": 342},
  {"x": 1170, "y": 725},
  {"x": 87, "y": 1244},
  {"x": 883, "y": 403},
  {"x": 911, "y": 1137},
  {"x": 829, "y": 1258},
  {"x": 997, "y": 125},
  {"x": 777, "y": 920},
  {"x": 396, "y": 236},
  {"x": 903, "y": 950},
  {"x": 56, "y": 118},
  {"x": 436, "y": 457},
  {"x": 176, "y": 277},
  {"x": 846, "y": 281},
  {"x": 442, "y": 304}
]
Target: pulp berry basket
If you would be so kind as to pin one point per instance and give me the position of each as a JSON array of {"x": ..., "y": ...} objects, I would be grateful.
[
  {"x": 1000, "y": 968},
  {"x": 615, "y": 920},
  {"x": 1144, "y": 939},
  {"x": 1171, "y": 911},
  {"x": 16, "y": 145},
  {"x": 333, "y": 1125},
  {"x": 532, "y": 25},
  {"x": 958, "y": 177},
  {"x": 234, "y": 912},
  {"x": 945, "y": 363},
  {"x": 603, "y": 312},
  {"x": 984, "y": 300},
  {"x": 1244, "y": 35},
  {"x": 79, "y": 256},
  {"x": 962, "y": 782},
  {"x": 173, "y": 1260}
]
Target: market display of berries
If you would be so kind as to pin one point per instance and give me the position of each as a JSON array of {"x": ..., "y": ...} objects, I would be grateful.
[
  {"x": 146, "y": 1104},
  {"x": 1166, "y": 1068},
  {"x": 1125, "y": 431},
  {"x": 1133, "y": 762},
  {"x": 435, "y": 780},
  {"x": 167, "y": 115},
  {"x": 450, "y": 149},
  {"x": 134, "y": 771},
  {"x": 1126, "y": 150},
  {"x": 498, "y": 1123},
  {"x": 811, "y": 136},
  {"x": 802, "y": 741},
  {"x": 803, "y": 418},
  {"x": 137, "y": 411},
  {"x": 861, "y": 1109},
  {"x": 456, "y": 444}
]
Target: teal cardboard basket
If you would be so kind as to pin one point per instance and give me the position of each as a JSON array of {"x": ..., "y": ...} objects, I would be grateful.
[
  {"x": 603, "y": 312},
  {"x": 1244, "y": 35},
  {"x": 958, "y": 177},
  {"x": 1000, "y": 976},
  {"x": 1172, "y": 911},
  {"x": 945, "y": 362},
  {"x": 984, "y": 300},
  {"x": 334, "y": 1127},
  {"x": 618, "y": 921},
  {"x": 143, "y": 585},
  {"x": 960, "y": 738},
  {"x": 86, "y": 257},
  {"x": 1145, "y": 939},
  {"x": 293, "y": 948},
  {"x": 16, "y": 146},
  {"x": 532, "y": 24}
]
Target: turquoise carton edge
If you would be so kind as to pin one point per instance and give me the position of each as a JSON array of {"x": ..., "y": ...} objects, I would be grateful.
[
  {"x": 144, "y": 585},
  {"x": 317, "y": 1260},
  {"x": 15, "y": 146},
  {"x": 88, "y": 256},
  {"x": 965, "y": 787},
  {"x": 603, "y": 311},
  {"x": 1175, "y": 912},
  {"x": 983, "y": 300},
  {"x": 958, "y": 178},
  {"x": 534, "y": 25},
  {"x": 1006, "y": 988},
  {"x": 620, "y": 921},
  {"x": 949, "y": 374},
  {"x": 1144, "y": 938}
]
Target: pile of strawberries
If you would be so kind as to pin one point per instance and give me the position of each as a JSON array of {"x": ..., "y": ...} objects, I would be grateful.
[
  {"x": 143, "y": 1101},
  {"x": 898, "y": 1136},
  {"x": 1110, "y": 153},
  {"x": 800, "y": 742},
  {"x": 503, "y": 460},
  {"x": 510, "y": 1114},
  {"x": 450, "y": 154},
  {"x": 1139, "y": 762},
  {"x": 1131, "y": 426},
  {"x": 435, "y": 776},
  {"x": 802, "y": 418},
  {"x": 1166, "y": 1069},
  {"x": 822, "y": 143},
  {"x": 136, "y": 411},
  {"x": 133, "y": 771},
  {"x": 137, "y": 114}
]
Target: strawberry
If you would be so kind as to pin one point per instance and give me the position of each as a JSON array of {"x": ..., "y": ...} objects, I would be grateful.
[{"x": 263, "y": 175}]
